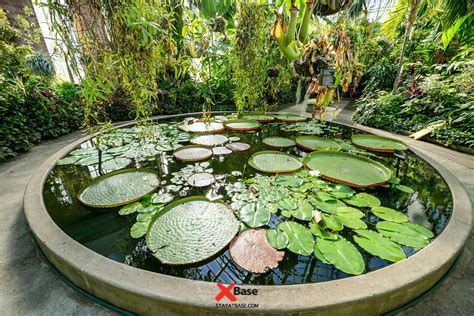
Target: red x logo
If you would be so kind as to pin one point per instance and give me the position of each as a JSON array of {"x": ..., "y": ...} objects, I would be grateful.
[{"x": 225, "y": 291}]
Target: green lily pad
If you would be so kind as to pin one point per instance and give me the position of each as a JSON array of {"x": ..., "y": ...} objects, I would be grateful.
[
  {"x": 341, "y": 254},
  {"x": 341, "y": 191},
  {"x": 287, "y": 204},
  {"x": 238, "y": 146},
  {"x": 332, "y": 222},
  {"x": 242, "y": 125},
  {"x": 116, "y": 163},
  {"x": 209, "y": 140},
  {"x": 192, "y": 153},
  {"x": 329, "y": 206},
  {"x": 363, "y": 200},
  {"x": 351, "y": 217},
  {"x": 290, "y": 118},
  {"x": 278, "y": 239},
  {"x": 311, "y": 143},
  {"x": 300, "y": 239},
  {"x": 130, "y": 208},
  {"x": 377, "y": 245},
  {"x": 221, "y": 150},
  {"x": 119, "y": 188},
  {"x": 191, "y": 230},
  {"x": 389, "y": 214},
  {"x": 278, "y": 142},
  {"x": 317, "y": 231},
  {"x": 254, "y": 215},
  {"x": 274, "y": 162},
  {"x": 289, "y": 181},
  {"x": 201, "y": 179},
  {"x": 347, "y": 168},
  {"x": 262, "y": 118},
  {"x": 411, "y": 235},
  {"x": 201, "y": 127},
  {"x": 139, "y": 229},
  {"x": 377, "y": 143},
  {"x": 304, "y": 211},
  {"x": 161, "y": 198}
]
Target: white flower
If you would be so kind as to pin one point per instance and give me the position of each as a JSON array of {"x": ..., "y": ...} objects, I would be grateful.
[{"x": 314, "y": 173}]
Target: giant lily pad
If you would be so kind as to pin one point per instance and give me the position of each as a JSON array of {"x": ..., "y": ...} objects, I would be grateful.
[
  {"x": 192, "y": 153},
  {"x": 201, "y": 179},
  {"x": 342, "y": 254},
  {"x": 278, "y": 142},
  {"x": 290, "y": 118},
  {"x": 311, "y": 143},
  {"x": 209, "y": 140},
  {"x": 119, "y": 188},
  {"x": 300, "y": 239},
  {"x": 201, "y": 127},
  {"x": 378, "y": 143},
  {"x": 407, "y": 234},
  {"x": 191, "y": 230},
  {"x": 274, "y": 162},
  {"x": 262, "y": 118},
  {"x": 242, "y": 125},
  {"x": 376, "y": 244},
  {"x": 238, "y": 146},
  {"x": 221, "y": 150},
  {"x": 251, "y": 251},
  {"x": 347, "y": 168}
]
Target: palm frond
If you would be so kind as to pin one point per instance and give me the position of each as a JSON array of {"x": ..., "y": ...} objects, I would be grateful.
[
  {"x": 454, "y": 9},
  {"x": 395, "y": 18}
]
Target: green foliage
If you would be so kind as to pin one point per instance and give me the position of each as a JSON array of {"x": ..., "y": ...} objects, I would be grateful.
[
  {"x": 40, "y": 64},
  {"x": 380, "y": 77},
  {"x": 30, "y": 107}
]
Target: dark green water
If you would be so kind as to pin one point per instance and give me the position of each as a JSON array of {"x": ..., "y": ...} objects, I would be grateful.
[{"x": 108, "y": 233}]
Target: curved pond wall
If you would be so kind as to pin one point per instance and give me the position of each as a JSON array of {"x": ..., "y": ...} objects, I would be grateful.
[{"x": 146, "y": 292}]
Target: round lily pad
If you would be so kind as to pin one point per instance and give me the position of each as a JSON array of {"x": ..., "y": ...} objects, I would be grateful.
[
  {"x": 347, "y": 168},
  {"x": 238, "y": 146},
  {"x": 191, "y": 230},
  {"x": 201, "y": 179},
  {"x": 119, "y": 188},
  {"x": 378, "y": 143},
  {"x": 251, "y": 251},
  {"x": 290, "y": 118},
  {"x": 192, "y": 153},
  {"x": 274, "y": 162},
  {"x": 221, "y": 150},
  {"x": 278, "y": 142},
  {"x": 316, "y": 143},
  {"x": 242, "y": 125},
  {"x": 262, "y": 118},
  {"x": 201, "y": 127},
  {"x": 209, "y": 140}
]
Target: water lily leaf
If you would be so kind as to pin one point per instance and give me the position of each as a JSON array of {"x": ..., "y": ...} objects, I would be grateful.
[
  {"x": 311, "y": 143},
  {"x": 289, "y": 181},
  {"x": 251, "y": 251},
  {"x": 254, "y": 215},
  {"x": 377, "y": 143},
  {"x": 262, "y": 118},
  {"x": 326, "y": 206},
  {"x": 242, "y": 125},
  {"x": 349, "y": 212},
  {"x": 304, "y": 211},
  {"x": 341, "y": 254},
  {"x": 346, "y": 168},
  {"x": 161, "y": 198},
  {"x": 278, "y": 239},
  {"x": 377, "y": 245},
  {"x": 274, "y": 162},
  {"x": 146, "y": 217},
  {"x": 325, "y": 196},
  {"x": 341, "y": 191},
  {"x": 319, "y": 255},
  {"x": 209, "y": 140},
  {"x": 287, "y": 204},
  {"x": 130, "y": 208},
  {"x": 317, "y": 231},
  {"x": 234, "y": 138},
  {"x": 404, "y": 188},
  {"x": 303, "y": 188},
  {"x": 290, "y": 118},
  {"x": 332, "y": 222},
  {"x": 201, "y": 127},
  {"x": 116, "y": 163},
  {"x": 221, "y": 150},
  {"x": 238, "y": 146},
  {"x": 278, "y": 142},
  {"x": 191, "y": 230},
  {"x": 351, "y": 217},
  {"x": 405, "y": 234},
  {"x": 201, "y": 179},
  {"x": 139, "y": 229},
  {"x": 68, "y": 160},
  {"x": 286, "y": 214},
  {"x": 119, "y": 188},
  {"x": 363, "y": 200},
  {"x": 192, "y": 153},
  {"x": 300, "y": 239},
  {"x": 389, "y": 214}
]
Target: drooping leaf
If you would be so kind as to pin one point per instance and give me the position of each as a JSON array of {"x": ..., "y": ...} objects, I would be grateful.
[
  {"x": 405, "y": 189},
  {"x": 377, "y": 245},
  {"x": 278, "y": 239},
  {"x": 254, "y": 215},
  {"x": 342, "y": 254},
  {"x": 300, "y": 239},
  {"x": 389, "y": 214}
]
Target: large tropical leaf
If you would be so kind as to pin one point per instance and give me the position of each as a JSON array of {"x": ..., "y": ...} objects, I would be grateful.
[{"x": 395, "y": 18}]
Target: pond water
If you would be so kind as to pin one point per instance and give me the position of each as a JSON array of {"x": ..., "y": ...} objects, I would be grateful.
[{"x": 108, "y": 233}]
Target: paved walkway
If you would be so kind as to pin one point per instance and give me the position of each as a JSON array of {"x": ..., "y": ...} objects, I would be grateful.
[{"x": 30, "y": 287}]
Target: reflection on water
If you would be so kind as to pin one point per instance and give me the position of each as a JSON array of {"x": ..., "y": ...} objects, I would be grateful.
[{"x": 108, "y": 233}]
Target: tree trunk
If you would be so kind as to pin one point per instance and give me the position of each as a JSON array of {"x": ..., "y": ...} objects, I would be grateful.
[{"x": 409, "y": 27}]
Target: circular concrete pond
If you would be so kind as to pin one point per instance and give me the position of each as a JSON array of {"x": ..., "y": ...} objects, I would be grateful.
[{"x": 145, "y": 291}]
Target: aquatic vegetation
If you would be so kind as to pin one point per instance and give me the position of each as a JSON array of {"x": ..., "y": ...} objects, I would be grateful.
[{"x": 377, "y": 143}]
